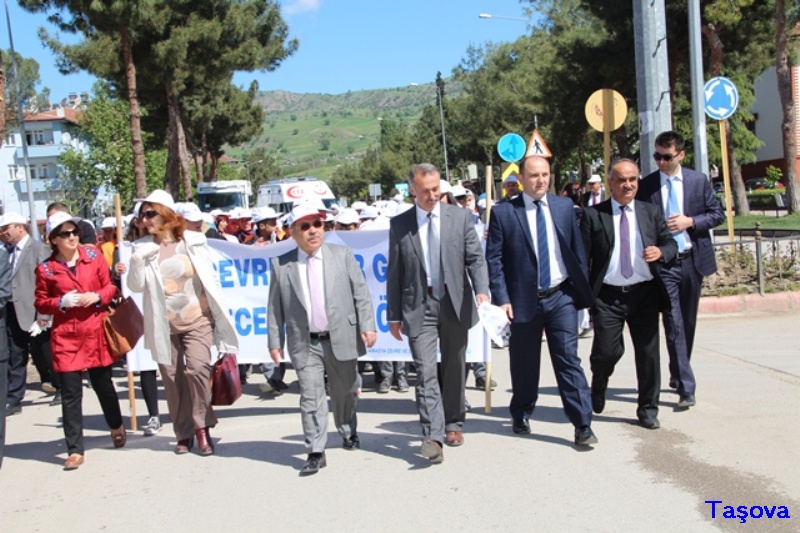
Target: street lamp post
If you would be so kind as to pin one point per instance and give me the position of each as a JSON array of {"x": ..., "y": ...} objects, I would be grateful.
[{"x": 444, "y": 138}]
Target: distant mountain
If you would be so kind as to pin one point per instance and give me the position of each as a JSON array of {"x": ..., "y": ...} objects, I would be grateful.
[{"x": 315, "y": 133}]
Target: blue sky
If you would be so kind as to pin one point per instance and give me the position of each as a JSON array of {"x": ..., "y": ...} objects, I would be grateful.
[{"x": 344, "y": 44}]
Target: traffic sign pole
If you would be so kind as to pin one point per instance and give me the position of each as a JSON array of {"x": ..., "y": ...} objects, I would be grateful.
[{"x": 723, "y": 145}]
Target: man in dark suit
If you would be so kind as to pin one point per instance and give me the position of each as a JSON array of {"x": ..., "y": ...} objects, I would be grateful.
[
  {"x": 626, "y": 243},
  {"x": 435, "y": 263},
  {"x": 537, "y": 272},
  {"x": 691, "y": 210},
  {"x": 596, "y": 194},
  {"x": 5, "y": 294},
  {"x": 319, "y": 301},
  {"x": 26, "y": 329}
]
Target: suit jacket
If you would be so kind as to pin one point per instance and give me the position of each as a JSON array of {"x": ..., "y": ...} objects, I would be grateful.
[
  {"x": 597, "y": 228},
  {"x": 5, "y": 295},
  {"x": 700, "y": 203},
  {"x": 463, "y": 265},
  {"x": 511, "y": 256},
  {"x": 348, "y": 305},
  {"x": 587, "y": 196},
  {"x": 23, "y": 282}
]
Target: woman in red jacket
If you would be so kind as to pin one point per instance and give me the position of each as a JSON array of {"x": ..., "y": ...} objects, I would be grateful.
[{"x": 74, "y": 285}]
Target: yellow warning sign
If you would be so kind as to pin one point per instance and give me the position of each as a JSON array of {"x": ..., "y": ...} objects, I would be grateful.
[
  {"x": 537, "y": 146},
  {"x": 511, "y": 169}
]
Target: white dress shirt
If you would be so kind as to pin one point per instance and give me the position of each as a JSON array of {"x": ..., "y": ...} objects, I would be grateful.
[
  {"x": 558, "y": 272},
  {"x": 422, "y": 224},
  {"x": 13, "y": 257},
  {"x": 677, "y": 184},
  {"x": 302, "y": 268},
  {"x": 641, "y": 270}
]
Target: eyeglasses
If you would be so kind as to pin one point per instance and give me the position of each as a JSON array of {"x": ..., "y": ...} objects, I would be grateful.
[
  {"x": 305, "y": 226},
  {"x": 69, "y": 232},
  {"x": 150, "y": 214},
  {"x": 664, "y": 157}
]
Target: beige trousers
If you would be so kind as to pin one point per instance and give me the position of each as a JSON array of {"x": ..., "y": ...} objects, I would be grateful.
[{"x": 187, "y": 381}]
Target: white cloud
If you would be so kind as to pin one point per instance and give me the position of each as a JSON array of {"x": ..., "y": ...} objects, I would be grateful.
[{"x": 301, "y": 6}]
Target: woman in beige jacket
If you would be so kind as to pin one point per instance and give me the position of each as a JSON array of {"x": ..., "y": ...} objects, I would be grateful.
[{"x": 184, "y": 315}]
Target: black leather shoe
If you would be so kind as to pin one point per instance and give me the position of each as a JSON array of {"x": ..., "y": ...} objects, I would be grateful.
[
  {"x": 312, "y": 465},
  {"x": 56, "y": 399},
  {"x": 521, "y": 427},
  {"x": 585, "y": 436},
  {"x": 13, "y": 409},
  {"x": 480, "y": 383},
  {"x": 352, "y": 443},
  {"x": 650, "y": 422},
  {"x": 599, "y": 386},
  {"x": 686, "y": 401},
  {"x": 673, "y": 383}
]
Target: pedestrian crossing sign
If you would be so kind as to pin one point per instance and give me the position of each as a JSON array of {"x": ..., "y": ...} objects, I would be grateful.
[{"x": 537, "y": 146}]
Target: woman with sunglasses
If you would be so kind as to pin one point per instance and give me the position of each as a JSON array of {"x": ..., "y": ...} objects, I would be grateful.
[
  {"x": 184, "y": 314},
  {"x": 74, "y": 285}
]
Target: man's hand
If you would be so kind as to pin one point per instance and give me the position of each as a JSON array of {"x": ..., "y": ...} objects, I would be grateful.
[
  {"x": 652, "y": 253},
  {"x": 276, "y": 354},
  {"x": 509, "y": 311},
  {"x": 678, "y": 223},
  {"x": 396, "y": 329},
  {"x": 369, "y": 338},
  {"x": 480, "y": 298}
]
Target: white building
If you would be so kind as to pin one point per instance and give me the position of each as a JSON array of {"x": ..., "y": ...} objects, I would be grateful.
[{"x": 48, "y": 134}]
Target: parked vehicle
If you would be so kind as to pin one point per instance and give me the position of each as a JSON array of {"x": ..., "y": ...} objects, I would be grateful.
[
  {"x": 280, "y": 195},
  {"x": 224, "y": 195}
]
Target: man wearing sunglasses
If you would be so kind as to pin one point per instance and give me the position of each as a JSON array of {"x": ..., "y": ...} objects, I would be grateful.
[
  {"x": 691, "y": 209},
  {"x": 319, "y": 300}
]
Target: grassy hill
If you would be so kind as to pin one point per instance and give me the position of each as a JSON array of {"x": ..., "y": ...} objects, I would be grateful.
[{"x": 312, "y": 134}]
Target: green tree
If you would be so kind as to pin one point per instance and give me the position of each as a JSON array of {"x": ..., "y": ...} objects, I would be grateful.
[
  {"x": 786, "y": 17},
  {"x": 32, "y": 100}
]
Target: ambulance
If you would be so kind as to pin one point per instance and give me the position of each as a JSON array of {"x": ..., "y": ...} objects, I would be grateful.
[{"x": 280, "y": 195}]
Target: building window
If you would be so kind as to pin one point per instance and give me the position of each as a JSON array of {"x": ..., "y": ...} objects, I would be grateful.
[
  {"x": 12, "y": 172},
  {"x": 10, "y": 139}
]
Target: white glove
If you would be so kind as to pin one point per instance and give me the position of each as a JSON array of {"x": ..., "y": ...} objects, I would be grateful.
[
  {"x": 35, "y": 329},
  {"x": 146, "y": 251},
  {"x": 70, "y": 299}
]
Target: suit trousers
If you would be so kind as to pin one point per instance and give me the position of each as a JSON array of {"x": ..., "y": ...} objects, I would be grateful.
[
  {"x": 344, "y": 384},
  {"x": 440, "y": 409},
  {"x": 638, "y": 309},
  {"x": 21, "y": 343},
  {"x": 683, "y": 287},
  {"x": 72, "y": 404},
  {"x": 187, "y": 381},
  {"x": 559, "y": 318},
  {"x": 3, "y": 382}
]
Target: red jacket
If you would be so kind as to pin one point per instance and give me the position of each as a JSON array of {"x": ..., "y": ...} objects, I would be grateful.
[{"x": 77, "y": 339}]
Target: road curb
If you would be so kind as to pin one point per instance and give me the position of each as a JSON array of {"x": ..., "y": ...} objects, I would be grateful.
[{"x": 745, "y": 303}]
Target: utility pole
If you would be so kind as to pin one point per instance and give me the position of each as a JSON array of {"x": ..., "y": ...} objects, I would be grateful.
[
  {"x": 652, "y": 76},
  {"x": 698, "y": 98}
]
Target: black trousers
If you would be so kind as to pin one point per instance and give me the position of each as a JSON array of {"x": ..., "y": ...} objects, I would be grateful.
[
  {"x": 149, "y": 383},
  {"x": 3, "y": 382},
  {"x": 20, "y": 344},
  {"x": 72, "y": 404},
  {"x": 639, "y": 309}
]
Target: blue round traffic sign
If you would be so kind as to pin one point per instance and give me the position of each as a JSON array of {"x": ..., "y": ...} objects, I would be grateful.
[
  {"x": 722, "y": 98},
  {"x": 511, "y": 147}
]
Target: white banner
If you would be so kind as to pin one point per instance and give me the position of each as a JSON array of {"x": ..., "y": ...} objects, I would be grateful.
[{"x": 244, "y": 276}]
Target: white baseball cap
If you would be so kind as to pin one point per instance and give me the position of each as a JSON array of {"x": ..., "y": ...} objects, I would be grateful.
[
  {"x": 161, "y": 197},
  {"x": 190, "y": 212},
  {"x": 57, "y": 219},
  {"x": 347, "y": 216},
  {"x": 458, "y": 190},
  {"x": 264, "y": 213},
  {"x": 304, "y": 211},
  {"x": 12, "y": 218},
  {"x": 358, "y": 206},
  {"x": 511, "y": 179},
  {"x": 444, "y": 186},
  {"x": 109, "y": 223},
  {"x": 594, "y": 179},
  {"x": 369, "y": 212}
]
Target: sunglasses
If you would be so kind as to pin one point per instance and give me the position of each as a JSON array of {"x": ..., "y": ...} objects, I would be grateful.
[
  {"x": 305, "y": 226},
  {"x": 150, "y": 214},
  {"x": 664, "y": 157},
  {"x": 69, "y": 232}
]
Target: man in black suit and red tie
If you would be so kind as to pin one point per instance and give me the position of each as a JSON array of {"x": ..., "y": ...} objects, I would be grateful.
[
  {"x": 691, "y": 209},
  {"x": 626, "y": 244}
]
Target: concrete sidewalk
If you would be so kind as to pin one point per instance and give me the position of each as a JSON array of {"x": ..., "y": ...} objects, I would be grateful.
[{"x": 738, "y": 445}]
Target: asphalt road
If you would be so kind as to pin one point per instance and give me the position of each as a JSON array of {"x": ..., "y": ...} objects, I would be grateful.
[{"x": 739, "y": 445}]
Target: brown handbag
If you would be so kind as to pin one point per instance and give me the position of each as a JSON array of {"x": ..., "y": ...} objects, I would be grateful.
[
  {"x": 226, "y": 386},
  {"x": 123, "y": 325}
]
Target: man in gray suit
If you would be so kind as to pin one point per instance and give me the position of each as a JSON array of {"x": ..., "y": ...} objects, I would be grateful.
[
  {"x": 319, "y": 294},
  {"x": 26, "y": 329},
  {"x": 435, "y": 263}
]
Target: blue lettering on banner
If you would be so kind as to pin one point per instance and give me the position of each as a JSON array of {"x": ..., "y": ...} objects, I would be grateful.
[
  {"x": 743, "y": 512},
  {"x": 250, "y": 320},
  {"x": 379, "y": 264},
  {"x": 248, "y": 272},
  {"x": 225, "y": 275},
  {"x": 380, "y": 315},
  {"x": 360, "y": 261}
]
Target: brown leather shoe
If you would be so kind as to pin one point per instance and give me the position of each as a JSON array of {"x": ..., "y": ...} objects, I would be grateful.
[
  {"x": 73, "y": 461},
  {"x": 119, "y": 437},
  {"x": 454, "y": 438},
  {"x": 204, "y": 445},
  {"x": 184, "y": 445}
]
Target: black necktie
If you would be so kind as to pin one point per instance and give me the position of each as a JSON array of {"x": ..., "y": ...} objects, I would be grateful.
[
  {"x": 434, "y": 256},
  {"x": 543, "y": 248},
  {"x": 626, "y": 268}
]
